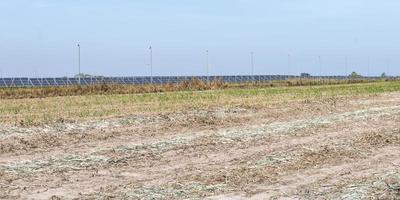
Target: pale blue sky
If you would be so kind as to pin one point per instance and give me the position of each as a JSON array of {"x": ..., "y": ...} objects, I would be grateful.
[{"x": 39, "y": 37}]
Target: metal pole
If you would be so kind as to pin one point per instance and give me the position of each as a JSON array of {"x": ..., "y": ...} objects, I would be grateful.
[
  {"x": 368, "y": 69},
  {"x": 289, "y": 65},
  {"x": 320, "y": 67},
  {"x": 208, "y": 67},
  {"x": 346, "y": 65},
  {"x": 387, "y": 67},
  {"x": 79, "y": 64},
  {"x": 151, "y": 65},
  {"x": 252, "y": 65}
]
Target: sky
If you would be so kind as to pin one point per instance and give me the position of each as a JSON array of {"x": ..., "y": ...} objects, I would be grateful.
[{"x": 38, "y": 38}]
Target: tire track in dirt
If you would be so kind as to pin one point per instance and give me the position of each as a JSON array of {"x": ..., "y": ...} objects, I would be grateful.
[{"x": 345, "y": 180}]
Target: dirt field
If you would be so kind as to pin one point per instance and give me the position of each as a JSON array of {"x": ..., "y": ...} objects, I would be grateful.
[{"x": 331, "y": 148}]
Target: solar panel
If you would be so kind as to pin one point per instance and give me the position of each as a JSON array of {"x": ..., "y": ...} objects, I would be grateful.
[
  {"x": 2, "y": 83},
  {"x": 141, "y": 80}
]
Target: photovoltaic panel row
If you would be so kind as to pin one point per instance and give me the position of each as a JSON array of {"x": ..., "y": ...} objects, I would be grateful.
[{"x": 141, "y": 80}]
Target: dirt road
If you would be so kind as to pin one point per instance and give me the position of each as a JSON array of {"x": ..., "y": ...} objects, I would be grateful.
[{"x": 336, "y": 148}]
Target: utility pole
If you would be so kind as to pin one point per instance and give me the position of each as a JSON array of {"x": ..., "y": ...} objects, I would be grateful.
[{"x": 79, "y": 63}]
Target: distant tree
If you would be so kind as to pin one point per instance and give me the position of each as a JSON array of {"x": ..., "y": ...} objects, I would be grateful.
[
  {"x": 383, "y": 75},
  {"x": 354, "y": 75},
  {"x": 82, "y": 75}
]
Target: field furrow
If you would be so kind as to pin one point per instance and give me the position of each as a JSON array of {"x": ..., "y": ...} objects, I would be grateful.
[{"x": 341, "y": 148}]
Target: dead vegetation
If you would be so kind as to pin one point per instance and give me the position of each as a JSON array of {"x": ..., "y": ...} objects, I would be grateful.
[
  {"x": 335, "y": 148},
  {"x": 28, "y": 112},
  {"x": 193, "y": 85}
]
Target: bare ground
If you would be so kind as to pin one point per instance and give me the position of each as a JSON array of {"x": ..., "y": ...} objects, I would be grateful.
[{"x": 339, "y": 148}]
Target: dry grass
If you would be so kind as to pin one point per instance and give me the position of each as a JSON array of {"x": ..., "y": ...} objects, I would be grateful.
[
  {"x": 301, "y": 148},
  {"x": 38, "y": 111},
  {"x": 193, "y": 85}
]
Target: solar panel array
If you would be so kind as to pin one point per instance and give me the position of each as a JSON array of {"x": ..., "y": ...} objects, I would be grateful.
[{"x": 143, "y": 80}]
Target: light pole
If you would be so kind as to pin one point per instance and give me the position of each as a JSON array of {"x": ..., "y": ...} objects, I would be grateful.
[
  {"x": 320, "y": 67},
  {"x": 387, "y": 67},
  {"x": 346, "y": 65},
  {"x": 208, "y": 67},
  {"x": 289, "y": 65},
  {"x": 79, "y": 63},
  {"x": 151, "y": 64},
  {"x": 252, "y": 63},
  {"x": 369, "y": 63}
]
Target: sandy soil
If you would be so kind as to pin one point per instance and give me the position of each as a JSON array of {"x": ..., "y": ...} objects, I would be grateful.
[{"x": 347, "y": 148}]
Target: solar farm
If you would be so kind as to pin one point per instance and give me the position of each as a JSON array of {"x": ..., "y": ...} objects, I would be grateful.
[
  {"x": 246, "y": 141},
  {"x": 146, "y": 80},
  {"x": 199, "y": 100}
]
